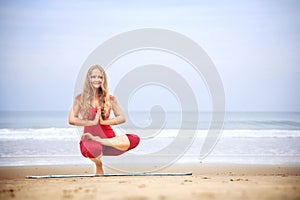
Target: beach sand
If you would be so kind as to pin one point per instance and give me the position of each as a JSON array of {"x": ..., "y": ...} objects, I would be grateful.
[{"x": 209, "y": 181}]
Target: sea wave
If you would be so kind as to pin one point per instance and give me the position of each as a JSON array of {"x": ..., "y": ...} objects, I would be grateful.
[
  {"x": 74, "y": 133},
  {"x": 39, "y": 134},
  {"x": 270, "y": 133}
]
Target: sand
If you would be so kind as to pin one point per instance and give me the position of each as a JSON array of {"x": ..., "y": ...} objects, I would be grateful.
[{"x": 209, "y": 181}]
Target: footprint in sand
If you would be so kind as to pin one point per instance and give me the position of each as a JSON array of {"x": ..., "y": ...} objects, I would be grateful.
[
  {"x": 67, "y": 194},
  {"x": 10, "y": 191},
  {"x": 142, "y": 186}
]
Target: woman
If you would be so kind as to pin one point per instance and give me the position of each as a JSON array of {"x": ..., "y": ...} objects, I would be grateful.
[{"x": 91, "y": 109}]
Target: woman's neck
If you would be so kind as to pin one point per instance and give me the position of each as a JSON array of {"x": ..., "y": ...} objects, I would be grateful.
[{"x": 96, "y": 93}]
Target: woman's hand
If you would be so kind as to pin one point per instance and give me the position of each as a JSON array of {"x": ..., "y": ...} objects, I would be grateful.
[
  {"x": 102, "y": 121},
  {"x": 119, "y": 115},
  {"x": 97, "y": 117}
]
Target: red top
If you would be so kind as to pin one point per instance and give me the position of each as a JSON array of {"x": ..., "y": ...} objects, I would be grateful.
[{"x": 103, "y": 131}]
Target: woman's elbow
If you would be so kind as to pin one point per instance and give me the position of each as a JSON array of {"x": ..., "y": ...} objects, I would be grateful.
[
  {"x": 122, "y": 120},
  {"x": 71, "y": 121}
]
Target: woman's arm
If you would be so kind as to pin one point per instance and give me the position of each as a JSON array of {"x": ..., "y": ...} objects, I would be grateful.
[
  {"x": 74, "y": 116},
  {"x": 118, "y": 113}
]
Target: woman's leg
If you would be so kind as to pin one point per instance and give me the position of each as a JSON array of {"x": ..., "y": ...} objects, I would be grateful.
[
  {"x": 120, "y": 142},
  {"x": 98, "y": 164}
]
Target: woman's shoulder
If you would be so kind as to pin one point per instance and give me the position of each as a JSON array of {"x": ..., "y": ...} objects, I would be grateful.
[
  {"x": 78, "y": 97},
  {"x": 111, "y": 97}
]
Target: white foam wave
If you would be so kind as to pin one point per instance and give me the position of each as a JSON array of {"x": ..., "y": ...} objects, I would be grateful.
[
  {"x": 74, "y": 134},
  {"x": 39, "y": 134},
  {"x": 271, "y": 133}
]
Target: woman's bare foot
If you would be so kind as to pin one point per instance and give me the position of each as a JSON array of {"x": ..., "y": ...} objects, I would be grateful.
[{"x": 87, "y": 136}]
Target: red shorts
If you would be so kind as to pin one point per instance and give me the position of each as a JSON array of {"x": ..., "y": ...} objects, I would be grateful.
[{"x": 93, "y": 149}]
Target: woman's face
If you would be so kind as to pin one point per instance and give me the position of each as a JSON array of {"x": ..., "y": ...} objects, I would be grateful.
[{"x": 96, "y": 78}]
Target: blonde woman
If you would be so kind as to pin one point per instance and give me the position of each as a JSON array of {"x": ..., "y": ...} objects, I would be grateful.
[{"x": 91, "y": 109}]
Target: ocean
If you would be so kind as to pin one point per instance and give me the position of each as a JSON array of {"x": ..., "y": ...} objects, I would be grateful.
[{"x": 46, "y": 138}]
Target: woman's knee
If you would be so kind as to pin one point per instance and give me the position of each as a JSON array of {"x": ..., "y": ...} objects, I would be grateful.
[
  {"x": 134, "y": 141},
  {"x": 90, "y": 148}
]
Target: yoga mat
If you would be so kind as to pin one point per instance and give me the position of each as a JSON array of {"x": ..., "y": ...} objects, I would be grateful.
[{"x": 107, "y": 175}]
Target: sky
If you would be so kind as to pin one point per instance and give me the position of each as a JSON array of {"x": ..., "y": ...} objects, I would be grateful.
[{"x": 254, "y": 45}]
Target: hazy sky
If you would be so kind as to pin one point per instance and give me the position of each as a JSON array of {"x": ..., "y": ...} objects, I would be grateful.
[{"x": 254, "y": 44}]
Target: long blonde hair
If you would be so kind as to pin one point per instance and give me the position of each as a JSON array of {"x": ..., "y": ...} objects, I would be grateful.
[{"x": 87, "y": 95}]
